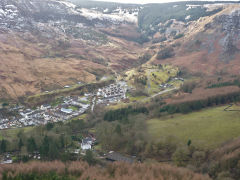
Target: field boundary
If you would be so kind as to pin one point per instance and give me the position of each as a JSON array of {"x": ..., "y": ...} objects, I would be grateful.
[{"x": 229, "y": 106}]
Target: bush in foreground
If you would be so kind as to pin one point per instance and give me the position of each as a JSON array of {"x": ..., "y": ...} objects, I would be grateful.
[{"x": 82, "y": 171}]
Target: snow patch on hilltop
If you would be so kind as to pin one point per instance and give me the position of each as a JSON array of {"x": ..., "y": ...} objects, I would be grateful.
[
  {"x": 121, "y": 16},
  {"x": 68, "y": 4}
]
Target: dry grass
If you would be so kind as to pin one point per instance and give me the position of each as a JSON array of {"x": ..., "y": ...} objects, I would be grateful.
[
  {"x": 203, "y": 60},
  {"x": 29, "y": 68},
  {"x": 228, "y": 150},
  {"x": 116, "y": 171}
]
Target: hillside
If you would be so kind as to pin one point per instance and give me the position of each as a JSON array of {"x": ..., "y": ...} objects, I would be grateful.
[
  {"x": 210, "y": 47},
  {"x": 48, "y": 45},
  {"x": 95, "y": 90},
  {"x": 206, "y": 51}
]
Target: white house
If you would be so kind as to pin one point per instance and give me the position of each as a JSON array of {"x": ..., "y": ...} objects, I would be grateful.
[
  {"x": 9, "y": 161},
  {"x": 86, "y": 143},
  {"x": 45, "y": 107},
  {"x": 86, "y": 146},
  {"x": 67, "y": 111}
]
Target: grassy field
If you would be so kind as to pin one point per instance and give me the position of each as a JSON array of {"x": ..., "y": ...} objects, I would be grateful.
[
  {"x": 82, "y": 117},
  {"x": 74, "y": 108},
  {"x": 11, "y": 133},
  {"x": 208, "y": 128},
  {"x": 138, "y": 98},
  {"x": 155, "y": 76}
]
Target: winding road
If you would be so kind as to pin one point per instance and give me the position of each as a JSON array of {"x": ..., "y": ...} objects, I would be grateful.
[{"x": 160, "y": 93}]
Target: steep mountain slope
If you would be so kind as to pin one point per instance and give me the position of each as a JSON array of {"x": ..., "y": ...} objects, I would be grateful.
[
  {"x": 210, "y": 45},
  {"x": 48, "y": 44},
  {"x": 45, "y": 45}
]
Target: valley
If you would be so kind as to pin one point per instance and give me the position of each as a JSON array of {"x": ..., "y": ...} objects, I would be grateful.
[{"x": 105, "y": 90}]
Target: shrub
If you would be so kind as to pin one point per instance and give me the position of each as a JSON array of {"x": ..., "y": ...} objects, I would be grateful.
[
  {"x": 188, "y": 87},
  {"x": 167, "y": 52},
  {"x": 181, "y": 156},
  {"x": 145, "y": 58},
  {"x": 158, "y": 40},
  {"x": 141, "y": 80},
  {"x": 178, "y": 36},
  {"x": 5, "y": 104},
  {"x": 89, "y": 158},
  {"x": 81, "y": 170},
  {"x": 198, "y": 158}
]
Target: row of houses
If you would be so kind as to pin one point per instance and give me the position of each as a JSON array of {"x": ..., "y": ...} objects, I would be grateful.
[
  {"x": 69, "y": 108},
  {"x": 112, "y": 93},
  {"x": 165, "y": 85}
]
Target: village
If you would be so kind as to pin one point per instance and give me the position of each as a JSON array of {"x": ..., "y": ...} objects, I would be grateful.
[
  {"x": 69, "y": 108},
  {"x": 112, "y": 94}
]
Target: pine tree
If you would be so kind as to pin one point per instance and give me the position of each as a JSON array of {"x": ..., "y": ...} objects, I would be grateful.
[
  {"x": 3, "y": 146},
  {"x": 31, "y": 145},
  {"x": 44, "y": 149},
  {"x": 20, "y": 144}
]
